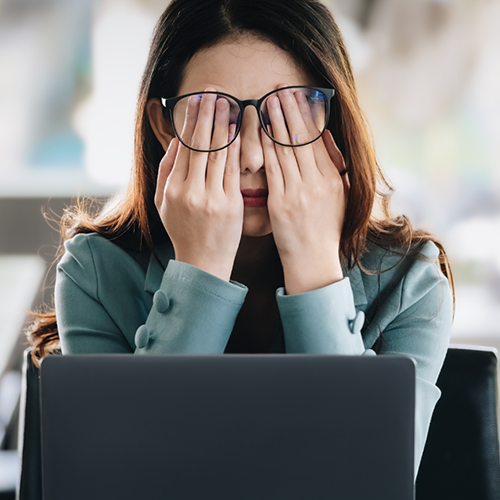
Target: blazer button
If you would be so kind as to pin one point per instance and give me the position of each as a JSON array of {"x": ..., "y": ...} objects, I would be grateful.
[
  {"x": 358, "y": 323},
  {"x": 141, "y": 337},
  {"x": 161, "y": 301}
]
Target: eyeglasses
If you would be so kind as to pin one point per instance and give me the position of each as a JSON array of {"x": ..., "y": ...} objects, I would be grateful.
[{"x": 210, "y": 121}]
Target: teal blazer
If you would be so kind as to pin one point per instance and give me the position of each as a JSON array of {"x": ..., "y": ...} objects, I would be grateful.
[{"x": 111, "y": 300}]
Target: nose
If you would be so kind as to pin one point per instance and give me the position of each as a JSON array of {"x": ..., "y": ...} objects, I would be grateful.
[{"x": 252, "y": 154}]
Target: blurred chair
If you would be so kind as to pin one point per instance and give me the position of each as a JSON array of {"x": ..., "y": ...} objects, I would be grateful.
[
  {"x": 20, "y": 278},
  {"x": 10, "y": 385},
  {"x": 8, "y": 470},
  {"x": 461, "y": 458},
  {"x": 29, "y": 444}
]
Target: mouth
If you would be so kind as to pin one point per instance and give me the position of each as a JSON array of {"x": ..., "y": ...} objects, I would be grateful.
[{"x": 255, "y": 197}]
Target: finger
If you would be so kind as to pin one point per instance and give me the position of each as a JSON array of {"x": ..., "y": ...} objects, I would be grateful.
[
  {"x": 314, "y": 120},
  {"x": 312, "y": 113},
  {"x": 165, "y": 168},
  {"x": 295, "y": 106},
  {"x": 337, "y": 158},
  {"x": 220, "y": 137},
  {"x": 333, "y": 151},
  {"x": 201, "y": 139},
  {"x": 274, "y": 173},
  {"x": 297, "y": 113},
  {"x": 232, "y": 166},
  {"x": 220, "y": 133},
  {"x": 202, "y": 133},
  {"x": 280, "y": 131},
  {"x": 285, "y": 155},
  {"x": 190, "y": 113}
]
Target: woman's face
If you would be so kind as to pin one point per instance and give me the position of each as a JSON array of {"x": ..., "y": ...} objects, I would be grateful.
[{"x": 247, "y": 68}]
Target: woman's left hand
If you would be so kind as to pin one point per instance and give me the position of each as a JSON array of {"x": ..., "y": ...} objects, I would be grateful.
[{"x": 307, "y": 196}]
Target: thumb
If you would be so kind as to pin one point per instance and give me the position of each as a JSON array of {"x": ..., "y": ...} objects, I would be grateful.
[{"x": 164, "y": 170}]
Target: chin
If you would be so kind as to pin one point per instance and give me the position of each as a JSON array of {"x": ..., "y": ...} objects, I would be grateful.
[{"x": 256, "y": 224}]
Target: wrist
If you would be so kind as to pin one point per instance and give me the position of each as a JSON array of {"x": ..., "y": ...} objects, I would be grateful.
[
  {"x": 310, "y": 274},
  {"x": 218, "y": 269}
]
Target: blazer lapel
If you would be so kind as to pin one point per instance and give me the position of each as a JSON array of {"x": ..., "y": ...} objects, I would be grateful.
[
  {"x": 358, "y": 288},
  {"x": 154, "y": 273}
]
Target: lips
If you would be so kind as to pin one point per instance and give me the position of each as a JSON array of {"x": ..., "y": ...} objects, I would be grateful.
[{"x": 254, "y": 197}]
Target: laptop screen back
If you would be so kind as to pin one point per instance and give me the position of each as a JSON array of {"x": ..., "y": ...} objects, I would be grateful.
[{"x": 227, "y": 427}]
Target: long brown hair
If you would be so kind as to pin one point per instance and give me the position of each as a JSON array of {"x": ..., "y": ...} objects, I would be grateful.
[{"x": 307, "y": 30}]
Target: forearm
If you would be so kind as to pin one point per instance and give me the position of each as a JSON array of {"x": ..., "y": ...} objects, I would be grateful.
[
  {"x": 322, "y": 321},
  {"x": 103, "y": 297},
  {"x": 193, "y": 312}
]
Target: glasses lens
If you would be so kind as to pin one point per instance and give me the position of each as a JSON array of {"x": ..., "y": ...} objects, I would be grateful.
[
  {"x": 206, "y": 121},
  {"x": 295, "y": 116}
]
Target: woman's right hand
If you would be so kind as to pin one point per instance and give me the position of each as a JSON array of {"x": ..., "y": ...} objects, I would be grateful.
[{"x": 198, "y": 194}]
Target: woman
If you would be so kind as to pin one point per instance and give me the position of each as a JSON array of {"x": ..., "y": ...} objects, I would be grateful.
[{"x": 248, "y": 224}]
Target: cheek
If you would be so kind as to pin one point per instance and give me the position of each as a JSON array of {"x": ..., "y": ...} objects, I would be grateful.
[{"x": 256, "y": 222}]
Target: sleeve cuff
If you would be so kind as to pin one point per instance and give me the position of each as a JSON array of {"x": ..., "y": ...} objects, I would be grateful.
[
  {"x": 193, "y": 312},
  {"x": 322, "y": 321}
]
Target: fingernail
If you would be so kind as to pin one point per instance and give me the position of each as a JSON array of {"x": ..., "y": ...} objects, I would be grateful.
[
  {"x": 300, "y": 96},
  {"x": 273, "y": 102}
]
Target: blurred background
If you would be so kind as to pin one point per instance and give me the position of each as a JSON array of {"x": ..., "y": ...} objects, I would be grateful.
[{"x": 428, "y": 75}]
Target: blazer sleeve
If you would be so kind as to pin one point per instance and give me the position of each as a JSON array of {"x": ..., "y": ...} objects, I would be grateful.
[
  {"x": 421, "y": 330},
  {"x": 414, "y": 320},
  {"x": 322, "y": 321},
  {"x": 102, "y": 307},
  {"x": 199, "y": 309}
]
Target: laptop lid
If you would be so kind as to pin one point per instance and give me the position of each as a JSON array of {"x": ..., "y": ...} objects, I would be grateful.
[{"x": 227, "y": 427}]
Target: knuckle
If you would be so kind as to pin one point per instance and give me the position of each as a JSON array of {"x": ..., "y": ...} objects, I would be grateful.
[
  {"x": 197, "y": 143},
  {"x": 301, "y": 202},
  {"x": 211, "y": 208},
  {"x": 190, "y": 201},
  {"x": 272, "y": 166},
  {"x": 216, "y": 156},
  {"x": 169, "y": 197},
  {"x": 318, "y": 193},
  {"x": 287, "y": 151},
  {"x": 302, "y": 137},
  {"x": 232, "y": 167}
]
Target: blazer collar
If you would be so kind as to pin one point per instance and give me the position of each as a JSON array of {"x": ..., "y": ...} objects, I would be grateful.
[{"x": 358, "y": 288}]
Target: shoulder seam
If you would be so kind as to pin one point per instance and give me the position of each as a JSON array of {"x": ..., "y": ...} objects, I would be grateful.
[{"x": 94, "y": 270}]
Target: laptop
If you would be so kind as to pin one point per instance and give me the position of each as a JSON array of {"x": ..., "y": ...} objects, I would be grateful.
[{"x": 228, "y": 427}]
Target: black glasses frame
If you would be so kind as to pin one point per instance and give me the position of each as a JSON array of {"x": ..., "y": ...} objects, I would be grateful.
[{"x": 170, "y": 102}]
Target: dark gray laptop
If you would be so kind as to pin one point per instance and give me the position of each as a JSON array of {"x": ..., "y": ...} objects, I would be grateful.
[{"x": 230, "y": 427}]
